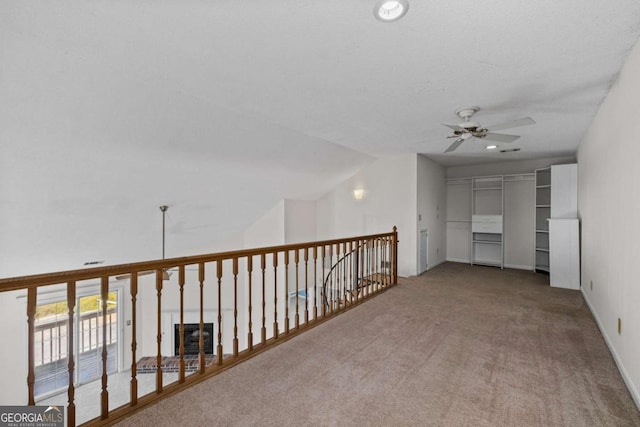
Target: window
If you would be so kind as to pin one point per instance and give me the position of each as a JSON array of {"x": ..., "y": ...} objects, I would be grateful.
[{"x": 51, "y": 342}]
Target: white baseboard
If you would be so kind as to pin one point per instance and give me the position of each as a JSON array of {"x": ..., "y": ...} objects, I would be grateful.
[
  {"x": 633, "y": 390},
  {"x": 436, "y": 264},
  {"x": 519, "y": 267},
  {"x": 465, "y": 261}
]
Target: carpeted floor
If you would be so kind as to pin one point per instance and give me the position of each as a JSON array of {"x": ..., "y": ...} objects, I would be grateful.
[{"x": 457, "y": 346}]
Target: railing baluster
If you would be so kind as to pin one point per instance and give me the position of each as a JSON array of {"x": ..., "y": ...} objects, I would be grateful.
[
  {"x": 366, "y": 269},
  {"x": 71, "y": 305},
  {"x": 159, "y": 274},
  {"x": 306, "y": 286},
  {"x": 345, "y": 277},
  {"x": 325, "y": 299},
  {"x": 286, "y": 292},
  {"x": 201, "y": 355},
  {"x": 134, "y": 343},
  {"x": 275, "y": 295},
  {"x": 297, "y": 261},
  {"x": 385, "y": 248},
  {"x": 235, "y": 307},
  {"x": 339, "y": 279},
  {"x": 375, "y": 265},
  {"x": 395, "y": 255},
  {"x": 350, "y": 271},
  {"x": 104, "y": 401},
  {"x": 315, "y": 283},
  {"x": 220, "y": 353},
  {"x": 263, "y": 330},
  {"x": 372, "y": 253},
  {"x": 250, "y": 274},
  {"x": 371, "y": 266},
  {"x": 32, "y": 295},
  {"x": 330, "y": 293},
  {"x": 181, "y": 283}
]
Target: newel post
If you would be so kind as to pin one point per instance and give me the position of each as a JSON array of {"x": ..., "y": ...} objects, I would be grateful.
[{"x": 395, "y": 255}]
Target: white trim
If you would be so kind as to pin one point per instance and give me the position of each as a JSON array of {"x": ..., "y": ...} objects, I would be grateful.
[
  {"x": 623, "y": 372},
  {"x": 429, "y": 267},
  {"x": 464, "y": 261},
  {"x": 519, "y": 267}
]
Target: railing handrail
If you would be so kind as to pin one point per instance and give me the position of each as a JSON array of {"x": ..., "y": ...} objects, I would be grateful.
[{"x": 33, "y": 281}]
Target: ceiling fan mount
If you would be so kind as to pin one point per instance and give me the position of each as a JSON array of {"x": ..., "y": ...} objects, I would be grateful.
[
  {"x": 465, "y": 113},
  {"x": 468, "y": 129}
]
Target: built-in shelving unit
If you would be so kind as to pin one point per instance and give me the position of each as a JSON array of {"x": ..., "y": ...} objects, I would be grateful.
[
  {"x": 458, "y": 219},
  {"x": 543, "y": 213},
  {"x": 486, "y": 221}
]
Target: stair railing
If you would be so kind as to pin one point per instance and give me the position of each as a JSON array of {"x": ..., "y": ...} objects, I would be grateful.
[{"x": 238, "y": 303}]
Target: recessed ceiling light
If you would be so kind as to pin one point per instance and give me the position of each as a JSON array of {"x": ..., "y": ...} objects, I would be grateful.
[
  {"x": 390, "y": 10},
  {"x": 491, "y": 147}
]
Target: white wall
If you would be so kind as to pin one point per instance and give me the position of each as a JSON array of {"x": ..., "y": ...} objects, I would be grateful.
[
  {"x": 432, "y": 202},
  {"x": 390, "y": 186},
  {"x": 13, "y": 369},
  {"x": 609, "y": 202},
  {"x": 268, "y": 230},
  {"x": 299, "y": 221},
  {"x": 506, "y": 168}
]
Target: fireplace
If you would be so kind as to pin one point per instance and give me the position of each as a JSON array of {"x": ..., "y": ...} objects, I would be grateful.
[{"x": 192, "y": 338}]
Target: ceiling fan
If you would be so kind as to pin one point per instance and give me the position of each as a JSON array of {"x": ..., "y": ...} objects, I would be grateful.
[{"x": 468, "y": 129}]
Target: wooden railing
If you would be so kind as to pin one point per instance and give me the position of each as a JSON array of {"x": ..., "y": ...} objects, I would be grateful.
[{"x": 255, "y": 298}]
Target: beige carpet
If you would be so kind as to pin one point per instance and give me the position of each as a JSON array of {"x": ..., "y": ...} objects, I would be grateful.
[{"x": 458, "y": 346}]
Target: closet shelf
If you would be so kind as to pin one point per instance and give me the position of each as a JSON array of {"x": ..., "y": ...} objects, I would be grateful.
[{"x": 491, "y": 242}]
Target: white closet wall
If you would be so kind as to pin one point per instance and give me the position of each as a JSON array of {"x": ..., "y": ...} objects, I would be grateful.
[{"x": 564, "y": 228}]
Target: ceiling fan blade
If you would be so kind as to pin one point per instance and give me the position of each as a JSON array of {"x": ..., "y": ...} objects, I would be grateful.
[
  {"x": 525, "y": 121},
  {"x": 500, "y": 137},
  {"x": 454, "y": 127},
  {"x": 455, "y": 145}
]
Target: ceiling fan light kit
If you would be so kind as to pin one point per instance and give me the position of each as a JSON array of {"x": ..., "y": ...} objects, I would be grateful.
[{"x": 468, "y": 129}]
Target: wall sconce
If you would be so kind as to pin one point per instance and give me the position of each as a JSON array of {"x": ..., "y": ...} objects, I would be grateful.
[{"x": 358, "y": 194}]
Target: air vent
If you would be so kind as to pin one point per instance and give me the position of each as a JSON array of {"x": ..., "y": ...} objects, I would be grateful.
[
  {"x": 94, "y": 262},
  {"x": 510, "y": 150}
]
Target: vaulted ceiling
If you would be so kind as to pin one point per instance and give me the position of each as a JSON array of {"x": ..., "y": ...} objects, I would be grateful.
[{"x": 109, "y": 109}]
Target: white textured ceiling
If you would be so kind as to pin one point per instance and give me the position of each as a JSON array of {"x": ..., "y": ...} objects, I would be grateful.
[{"x": 109, "y": 109}]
